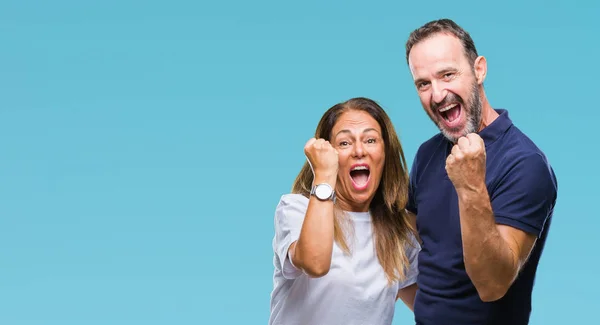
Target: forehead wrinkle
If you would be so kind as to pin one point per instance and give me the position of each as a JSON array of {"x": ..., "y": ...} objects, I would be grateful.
[
  {"x": 361, "y": 121},
  {"x": 366, "y": 130},
  {"x": 435, "y": 52}
]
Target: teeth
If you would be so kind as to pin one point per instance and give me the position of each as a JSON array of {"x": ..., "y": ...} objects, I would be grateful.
[
  {"x": 443, "y": 109},
  {"x": 360, "y": 168}
]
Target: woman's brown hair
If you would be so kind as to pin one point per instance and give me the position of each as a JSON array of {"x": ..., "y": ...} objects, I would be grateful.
[{"x": 391, "y": 227}]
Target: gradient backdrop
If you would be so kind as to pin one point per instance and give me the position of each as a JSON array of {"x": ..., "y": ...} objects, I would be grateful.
[{"x": 145, "y": 144}]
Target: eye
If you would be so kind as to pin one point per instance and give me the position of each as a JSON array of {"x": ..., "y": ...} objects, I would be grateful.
[
  {"x": 421, "y": 85},
  {"x": 343, "y": 143},
  {"x": 371, "y": 140},
  {"x": 448, "y": 75}
]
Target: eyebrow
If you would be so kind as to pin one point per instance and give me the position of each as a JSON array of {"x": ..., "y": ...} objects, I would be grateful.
[
  {"x": 439, "y": 72},
  {"x": 446, "y": 70},
  {"x": 348, "y": 131}
]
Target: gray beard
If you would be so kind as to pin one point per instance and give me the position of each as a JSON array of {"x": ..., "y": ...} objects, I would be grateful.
[{"x": 472, "y": 108}]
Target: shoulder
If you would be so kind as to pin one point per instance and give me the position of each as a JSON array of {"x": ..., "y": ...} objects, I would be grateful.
[
  {"x": 521, "y": 142},
  {"x": 523, "y": 168},
  {"x": 291, "y": 206},
  {"x": 522, "y": 155},
  {"x": 292, "y": 199}
]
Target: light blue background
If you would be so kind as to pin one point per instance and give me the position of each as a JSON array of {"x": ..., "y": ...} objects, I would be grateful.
[{"x": 145, "y": 144}]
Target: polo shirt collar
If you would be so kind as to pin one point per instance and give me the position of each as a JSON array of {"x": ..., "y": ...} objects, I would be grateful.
[{"x": 497, "y": 128}]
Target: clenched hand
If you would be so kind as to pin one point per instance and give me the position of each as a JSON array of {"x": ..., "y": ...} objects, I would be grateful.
[
  {"x": 466, "y": 163},
  {"x": 323, "y": 159}
]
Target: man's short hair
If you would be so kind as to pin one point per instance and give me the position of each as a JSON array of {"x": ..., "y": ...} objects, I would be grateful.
[{"x": 443, "y": 26}]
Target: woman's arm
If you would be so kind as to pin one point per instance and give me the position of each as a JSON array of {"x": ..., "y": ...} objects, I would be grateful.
[
  {"x": 407, "y": 295},
  {"x": 312, "y": 252}
]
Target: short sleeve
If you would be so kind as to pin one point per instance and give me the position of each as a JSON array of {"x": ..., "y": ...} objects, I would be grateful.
[
  {"x": 524, "y": 198},
  {"x": 289, "y": 216},
  {"x": 413, "y": 268}
]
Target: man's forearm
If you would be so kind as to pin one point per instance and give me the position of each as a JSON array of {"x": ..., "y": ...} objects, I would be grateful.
[{"x": 489, "y": 261}]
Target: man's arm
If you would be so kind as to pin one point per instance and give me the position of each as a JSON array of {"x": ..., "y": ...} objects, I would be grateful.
[
  {"x": 493, "y": 254},
  {"x": 498, "y": 233}
]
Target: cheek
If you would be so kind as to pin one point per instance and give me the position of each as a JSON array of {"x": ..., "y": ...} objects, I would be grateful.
[
  {"x": 462, "y": 89},
  {"x": 343, "y": 161},
  {"x": 381, "y": 163},
  {"x": 424, "y": 99},
  {"x": 379, "y": 160},
  {"x": 426, "y": 102}
]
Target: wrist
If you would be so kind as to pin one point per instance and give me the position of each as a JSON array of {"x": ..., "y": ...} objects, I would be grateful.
[
  {"x": 470, "y": 192},
  {"x": 325, "y": 178}
]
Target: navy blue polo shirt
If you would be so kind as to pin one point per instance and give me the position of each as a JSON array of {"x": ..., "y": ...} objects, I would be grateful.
[{"x": 522, "y": 189}]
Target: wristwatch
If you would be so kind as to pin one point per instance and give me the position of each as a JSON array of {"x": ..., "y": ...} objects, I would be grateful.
[{"x": 323, "y": 192}]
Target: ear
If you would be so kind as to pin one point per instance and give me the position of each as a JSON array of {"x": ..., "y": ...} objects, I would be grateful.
[{"x": 480, "y": 67}]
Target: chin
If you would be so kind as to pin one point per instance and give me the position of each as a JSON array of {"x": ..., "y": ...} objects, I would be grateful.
[
  {"x": 454, "y": 133},
  {"x": 363, "y": 198}
]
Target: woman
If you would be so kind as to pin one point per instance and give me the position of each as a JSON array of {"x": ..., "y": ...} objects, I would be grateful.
[{"x": 344, "y": 247}]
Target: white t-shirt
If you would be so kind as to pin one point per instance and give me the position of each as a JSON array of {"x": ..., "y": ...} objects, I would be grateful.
[{"x": 355, "y": 291}]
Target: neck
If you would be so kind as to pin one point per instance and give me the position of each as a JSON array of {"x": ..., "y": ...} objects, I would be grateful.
[
  {"x": 352, "y": 207},
  {"x": 488, "y": 114}
]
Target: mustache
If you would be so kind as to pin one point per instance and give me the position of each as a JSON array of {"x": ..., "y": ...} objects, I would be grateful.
[{"x": 450, "y": 98}]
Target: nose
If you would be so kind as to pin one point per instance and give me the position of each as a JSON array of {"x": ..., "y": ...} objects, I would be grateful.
[
  {"x": 358, "y": 151},
  {"x": 438, "y": 93}
]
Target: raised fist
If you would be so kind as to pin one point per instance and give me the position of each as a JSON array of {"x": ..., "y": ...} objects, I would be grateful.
[
  {"x": 466, "y": 163},
  {"x": 323, "y": 159}
]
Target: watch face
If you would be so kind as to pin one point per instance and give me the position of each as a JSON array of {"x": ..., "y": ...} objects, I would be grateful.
[{"x": 323, "y": 191}]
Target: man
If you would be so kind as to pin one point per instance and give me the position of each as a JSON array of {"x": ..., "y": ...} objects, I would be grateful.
[{"x": 482, "y": 192}]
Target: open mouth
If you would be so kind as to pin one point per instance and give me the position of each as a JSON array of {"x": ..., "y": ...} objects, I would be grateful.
[
  {"x": 451, "y": 113},
  {"x": 360, "y": 176}
]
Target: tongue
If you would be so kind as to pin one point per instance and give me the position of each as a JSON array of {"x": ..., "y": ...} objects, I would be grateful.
[
  {"x": 360, "y": 177},
  {"x": 453, "y": 113}
]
